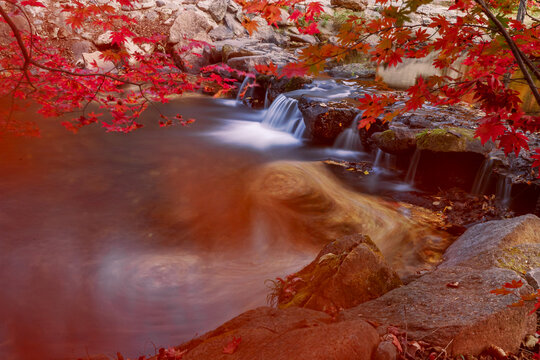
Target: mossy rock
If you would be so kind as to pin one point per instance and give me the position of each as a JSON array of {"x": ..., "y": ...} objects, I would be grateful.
[
  {"x": 347, "y": 272},
  {"x": 521, "y": 258},
  {"x": 451, "y": 139},
  {"x": 396, "y": 140}
]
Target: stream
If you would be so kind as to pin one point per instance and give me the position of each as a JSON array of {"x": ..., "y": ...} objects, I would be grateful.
[{"x": 132, "y": 242}]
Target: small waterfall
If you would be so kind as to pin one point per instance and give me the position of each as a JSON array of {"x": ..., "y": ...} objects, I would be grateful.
[
  {"x": 481, "y": 181},
  {"x": 504, "y": 191},
  {"x": 266, "y": 99},
  {"x": 383, "y": 160},
  {"x": 413, "y": 166},
  {"x": 284, "y": 115},
  {"x": 245, "y": 89},
  {"x": 349, "y": 138},
  {"x": 378, "y": 159}
]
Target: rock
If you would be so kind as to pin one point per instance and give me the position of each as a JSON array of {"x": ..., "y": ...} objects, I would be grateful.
[
  {"x": 451, "y": 139},
  {"x": 104, "y": 39},
  {"x": 308, "y": 39},
  {"x": 222, "y": 32},
  {"x": 216, "y": 8},
  {"x": 347, "y": 272},
  {"x": 326, "y": 120},
  {"x": 533, "y": 278},
  {"x": 354, "y": 70},
  {"x": 160, "y": 3},
  {"x": 93, "y": 62},
  {"x": 78, "y": 48},
  {"x": 495, "y": 243},
  {"x": 266, "y": 33},
  {"x": 189, "y": 24},
  {"x": 466, "y": 317},
  {"x": 248, "y": 63},
  {"x": 230, "y": 52},
  {"x": 235, "y": 26},
  {"x": 294, "y": 333},
  {"x": 356, "y": 5},
  {"x": 386, "y": 351},
  {"x": 276, "y": 86},
  {"x": 396, "y": 140}
]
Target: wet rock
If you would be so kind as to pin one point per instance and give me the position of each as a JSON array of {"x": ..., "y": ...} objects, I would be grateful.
[
  {"x": 451, "y": 139},
  {"x": 354, "y": 70},
  {"x": 283, "y": 85},
  {"x": 326, "y": 120},
  {"x": 533, "y": 278},
  {"x": 464, "y": 317},
  {"x": 347, "y": 272},
  {"x": 356, "y": 5},
  {"x": 396, "y": 140},
  {"x": 498, "y": 243},
  {"x": 366, "y": 135},
  {"x": 293, "y": 333},
  {"x": 216, "y": 8}
]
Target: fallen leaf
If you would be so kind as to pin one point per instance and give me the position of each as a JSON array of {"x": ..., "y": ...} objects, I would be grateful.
[{"x": 231, "y": 347}]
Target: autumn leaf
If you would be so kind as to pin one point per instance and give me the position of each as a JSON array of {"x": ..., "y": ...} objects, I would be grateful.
[
  {"x": 250, "y": 25},
  {"x": 32, "y": 3},
  {"x": 514, "y": 284},
  {"x": 501, "y": 291},
  {"x": 232, "y": 346}
]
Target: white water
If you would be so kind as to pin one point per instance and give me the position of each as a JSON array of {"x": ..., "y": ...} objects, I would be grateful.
[
  {"x": 284, "y": 115},
  {"x": 349, "y": 139},
  {"x": 245, "y": 89},
  {"x": 504, "y": 191},
  {"x": 411, "y": 172},
  {"x": 482, "y": 178}
]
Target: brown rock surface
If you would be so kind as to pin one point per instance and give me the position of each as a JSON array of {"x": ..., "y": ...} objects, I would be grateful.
[
  {"x": 294, "y": 333},
  {"x": 347, "y": 272}
]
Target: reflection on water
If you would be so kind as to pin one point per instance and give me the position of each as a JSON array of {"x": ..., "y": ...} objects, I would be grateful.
[{"x": 122, "y": 242}]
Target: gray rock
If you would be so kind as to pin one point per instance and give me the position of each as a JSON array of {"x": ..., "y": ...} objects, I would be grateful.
[
  {"x": 465, "y": 317},
  {"x": 354, "y": 70},
  {"x": 396, "y": 140},
  {"x": 160, "y": 3},
  {"x": 222, "y": 32},
  {"x": 216, "y": 8},
  {"x": 92, "y": 61},
  {"x": 248, "y": 63},
  {"x": 495, "y": 243},
  {"x": 189, "y": 24},
  {"x": 308, "y": 39},
  {"x": 235, "y": 26}
]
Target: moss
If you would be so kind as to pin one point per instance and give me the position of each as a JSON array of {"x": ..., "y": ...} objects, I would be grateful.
[
  {"x": 441, "y": 140},
  {"x": 519, "y": 259}
]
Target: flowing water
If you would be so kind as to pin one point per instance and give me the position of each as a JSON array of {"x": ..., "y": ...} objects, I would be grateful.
[
  {"x": 125, "y": 242},
  {"x": 349, "y": 139}
]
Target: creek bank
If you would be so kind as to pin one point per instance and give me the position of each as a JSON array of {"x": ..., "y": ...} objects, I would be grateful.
[{"x": 450, "y": 308}]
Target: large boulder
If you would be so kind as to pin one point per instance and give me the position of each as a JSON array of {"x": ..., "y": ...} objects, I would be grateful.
[
  {"x": 248, "y": 63},
  {"x": 347, "y": 272},
  {"x": 295, "y": 333},
  {"x": 511, "y": 243},
  {"x": 326, "y": 120},
  {"x": 454, "y": 308},
  {"x": 451, "y": 139},
  {"x": 191, "y": 25}
]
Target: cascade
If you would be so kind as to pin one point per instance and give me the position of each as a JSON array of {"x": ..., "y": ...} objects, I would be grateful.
[
  {"x": 481, "y": 181},
  {"x": 413, "y": 166},
  {"x": 504, "y": 191},
  {"x": 266, "y": 100},
  {"x": 244, "y": 91},
  {"x": 284, "y": 115},
  {"x": 349, "y": 139}
]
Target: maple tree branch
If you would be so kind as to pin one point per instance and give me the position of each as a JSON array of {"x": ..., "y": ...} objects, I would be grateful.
[{"x": 518, "y": 55}]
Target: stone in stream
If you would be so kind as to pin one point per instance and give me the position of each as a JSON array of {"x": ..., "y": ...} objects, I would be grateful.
[
  {"x": 326, "y": 120},
  {"x": 277, "y": 334},
  {"x": 347, "y": 272}
]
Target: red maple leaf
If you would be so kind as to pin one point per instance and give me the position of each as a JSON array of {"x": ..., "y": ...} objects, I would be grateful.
[
  {"x": 32, "y": 3},
  {"x": 232, "y": 346}
]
